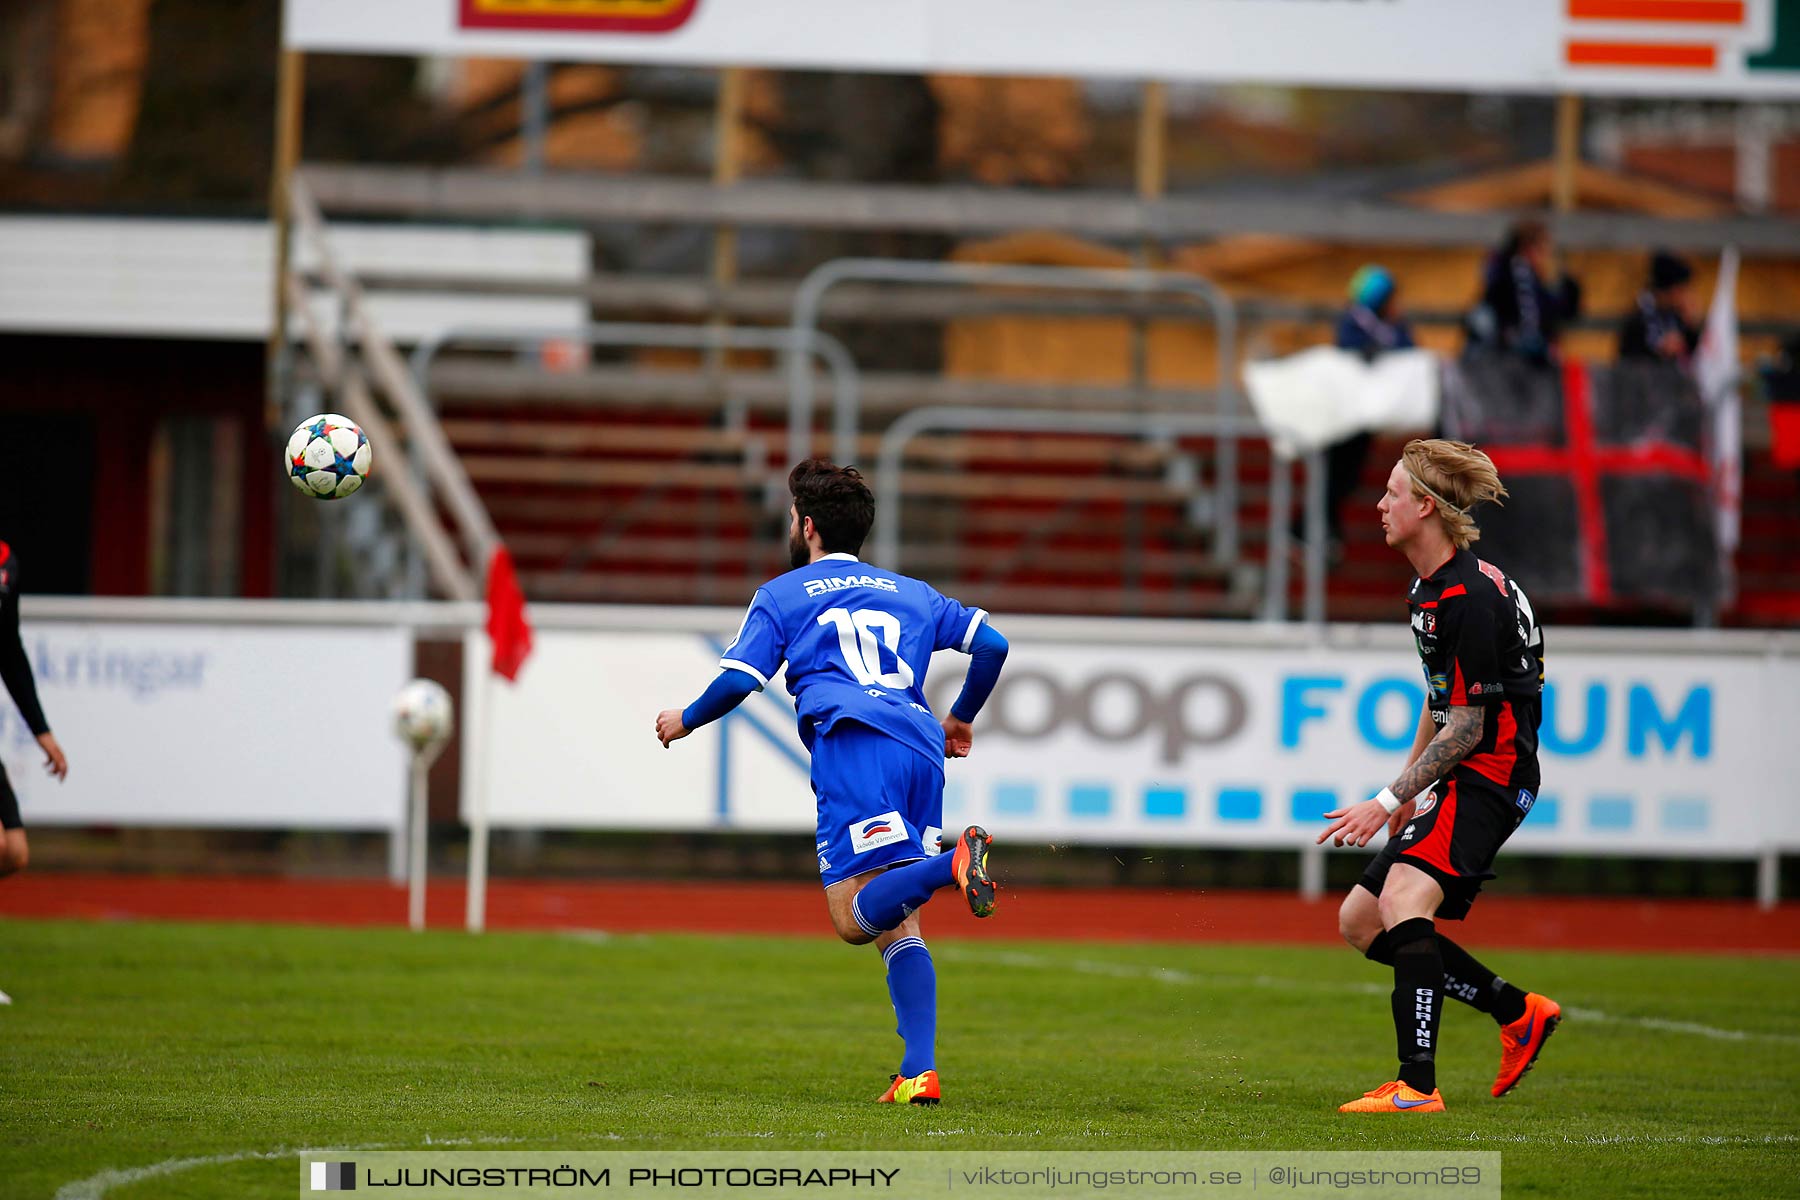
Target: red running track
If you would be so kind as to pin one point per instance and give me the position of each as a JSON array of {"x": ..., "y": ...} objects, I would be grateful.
[{"x": 1707, "y": 926}]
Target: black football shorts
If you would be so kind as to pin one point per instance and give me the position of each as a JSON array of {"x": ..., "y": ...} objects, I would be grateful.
[
  {"x": 1454, "y": 840},
  {"x": 9, "y": 804}
]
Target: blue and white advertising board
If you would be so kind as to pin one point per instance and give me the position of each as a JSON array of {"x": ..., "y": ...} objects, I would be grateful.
[
  {"x": 245, "y": 727},
  {"x": 1175, "y": 733}
]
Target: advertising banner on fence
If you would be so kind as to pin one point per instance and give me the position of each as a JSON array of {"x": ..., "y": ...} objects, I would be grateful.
[
  {"x": 256, "y": 727},
  {"x": 1741, "y": 48},
  {"x": 1205, "y": 739}
]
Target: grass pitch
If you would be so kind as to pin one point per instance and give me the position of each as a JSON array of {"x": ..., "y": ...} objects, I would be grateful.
[{"x": 138, "y": 1044}]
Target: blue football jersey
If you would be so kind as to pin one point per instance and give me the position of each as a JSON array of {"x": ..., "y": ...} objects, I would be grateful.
[{"x": 857, "y": 641}]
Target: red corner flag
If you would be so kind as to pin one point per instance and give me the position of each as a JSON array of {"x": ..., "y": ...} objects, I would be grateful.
[{"x": 507, "y": 627}]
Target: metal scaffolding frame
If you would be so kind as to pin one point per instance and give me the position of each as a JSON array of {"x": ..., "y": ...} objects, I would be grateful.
[{"x": 810, "y": 297}]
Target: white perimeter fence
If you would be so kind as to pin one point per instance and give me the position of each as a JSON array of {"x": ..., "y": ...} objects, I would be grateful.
[{"x": 274, "y": 714}]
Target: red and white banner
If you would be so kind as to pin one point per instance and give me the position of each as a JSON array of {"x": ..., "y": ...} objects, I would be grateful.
[
  {"x": 1717, "y": 372},
  {"x": 1735, "y": 48}
]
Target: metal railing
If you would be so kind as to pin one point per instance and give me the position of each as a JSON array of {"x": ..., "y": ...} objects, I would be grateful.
[
  {"x": 810, "y": 296},
  {"x": 359, "y": 332},
  {"x": 799, "y": 345},
  {"x": 889, "y": 480}
]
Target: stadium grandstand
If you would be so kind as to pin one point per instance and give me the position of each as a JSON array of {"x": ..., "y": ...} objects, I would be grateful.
[{"x": 1126, "y": 323}]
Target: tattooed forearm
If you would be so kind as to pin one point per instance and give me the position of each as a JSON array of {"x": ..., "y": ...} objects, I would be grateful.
[{"x": 1461, "y": 732}]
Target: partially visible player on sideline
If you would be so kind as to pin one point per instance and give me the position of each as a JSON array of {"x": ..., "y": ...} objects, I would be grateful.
[
  {"x": 15, "y": 670},
  {"x": 857, "y": 641},
  {"x": 1483, "y": 655}
]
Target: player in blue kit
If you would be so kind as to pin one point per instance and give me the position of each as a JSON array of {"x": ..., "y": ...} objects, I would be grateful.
[{"x": 857, "y": 641}]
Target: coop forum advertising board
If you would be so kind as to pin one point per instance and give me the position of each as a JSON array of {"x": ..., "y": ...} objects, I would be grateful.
[
  {"x": 1143, "y": 733},
  {"x": 1724, "y": 48}
]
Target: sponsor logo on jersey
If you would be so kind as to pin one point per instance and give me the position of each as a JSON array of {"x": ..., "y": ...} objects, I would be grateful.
[
  {"x": 1407, "y": 836},
  {"x": 1439, "y": 681},
  {"x": 885, "y": 830},
  {"x": 931, "y": 835},
  {"x": 841, "y": 583},
  {"x": 1485, "y": 689},
  {"x": 823, "y": 865},
  {"x": 1496, "y": 575},
  {"x": 582, "y": 16},
  {"x": 1425, "y": 621},
  {"x": 1525, "y": 800}
]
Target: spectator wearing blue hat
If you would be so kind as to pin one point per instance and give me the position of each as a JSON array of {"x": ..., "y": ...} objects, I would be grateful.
[
  {"x": 1370, "y": 326},
  {"x": 1659, "y": 328}
]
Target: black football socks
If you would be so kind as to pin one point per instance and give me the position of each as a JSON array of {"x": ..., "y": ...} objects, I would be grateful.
[
  {"x": 1465, "y": 978},
  {"x": 1418, "y": 1000}
]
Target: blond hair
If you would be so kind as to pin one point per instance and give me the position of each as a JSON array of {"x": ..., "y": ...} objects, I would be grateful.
[{"x": 1458, "y": 477}]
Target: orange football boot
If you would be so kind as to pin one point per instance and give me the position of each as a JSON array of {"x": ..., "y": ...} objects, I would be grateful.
[
  {"x": 1396, "y": 1097},
  {"x": 969, "y": 865},
  {"x": 920, "y": 1089},
  {"x": 1521, "y": 1041}
]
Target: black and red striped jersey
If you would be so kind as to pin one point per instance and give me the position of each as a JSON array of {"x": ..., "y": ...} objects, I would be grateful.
[
  {"x": 1481, "y": 646},
  {"x": 15, "y": 667}
]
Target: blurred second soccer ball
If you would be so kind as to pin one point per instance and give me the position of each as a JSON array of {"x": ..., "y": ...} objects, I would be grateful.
[{"x": 423, "y": 715}]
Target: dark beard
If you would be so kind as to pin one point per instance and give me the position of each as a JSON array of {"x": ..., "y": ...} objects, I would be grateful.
[{"x": 799, "y": 553}]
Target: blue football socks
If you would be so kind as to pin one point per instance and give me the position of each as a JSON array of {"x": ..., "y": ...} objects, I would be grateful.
[
  {"x": 912, "y": 982},
  {"x": 891, "y": 896}
]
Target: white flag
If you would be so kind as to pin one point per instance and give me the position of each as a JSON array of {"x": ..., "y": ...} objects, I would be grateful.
[{"x": 1716, "y": 371}]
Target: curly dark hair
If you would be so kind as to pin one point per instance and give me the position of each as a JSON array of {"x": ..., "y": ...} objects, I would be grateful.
[{"x": 840, "y": 504}]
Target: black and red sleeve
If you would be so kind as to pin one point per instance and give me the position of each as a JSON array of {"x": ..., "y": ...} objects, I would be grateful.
[{"x": 15, "y": 668}]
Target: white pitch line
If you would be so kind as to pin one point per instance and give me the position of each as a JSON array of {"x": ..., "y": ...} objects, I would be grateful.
[
  {"x": 94, "y": 1187},
  {"x": 1171, "y": 976}
]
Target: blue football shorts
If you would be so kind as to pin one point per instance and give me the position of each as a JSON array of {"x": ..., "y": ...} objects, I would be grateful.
[{"x": 881, "y": 802}]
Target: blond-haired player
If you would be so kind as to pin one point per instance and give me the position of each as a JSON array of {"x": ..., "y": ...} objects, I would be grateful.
[{"x": 1483, "y": 656}]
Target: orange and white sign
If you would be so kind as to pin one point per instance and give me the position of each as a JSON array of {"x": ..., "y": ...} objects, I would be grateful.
[
  {"x": 1739, "y": 49},
  {"x": 1659, "y": 35},
  {"x": 590, "y": 16}
]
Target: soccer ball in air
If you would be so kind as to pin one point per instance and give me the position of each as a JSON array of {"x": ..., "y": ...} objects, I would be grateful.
[
  {"x": 422, "y": 713},
  {"x": 328, "y": 457}
]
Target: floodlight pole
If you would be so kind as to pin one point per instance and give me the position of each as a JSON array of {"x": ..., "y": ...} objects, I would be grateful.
[
  {"x": 290, "y": 102},
  {"x": 728, "y": 141},
  {"x": 1152, "y": 184},
  {"x": 1565, "y": 177}
]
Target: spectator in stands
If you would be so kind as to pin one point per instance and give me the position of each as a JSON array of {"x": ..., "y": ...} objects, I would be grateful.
[
  {"x": 1373, "y": 323},
  {"x": 1370, "y": 326},
  {"x": 1780, "y": 384},
  {"x": 1520, "y": 312},
  {"x": 1660, "y": 328}
]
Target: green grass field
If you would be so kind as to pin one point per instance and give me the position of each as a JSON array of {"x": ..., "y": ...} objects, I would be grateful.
[{"x": 135, "y": 1044}]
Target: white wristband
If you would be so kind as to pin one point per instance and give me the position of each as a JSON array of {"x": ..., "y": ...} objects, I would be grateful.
[{"x": 1388, "y": 800}]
